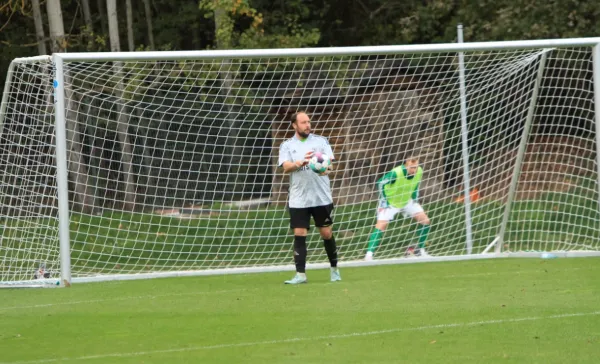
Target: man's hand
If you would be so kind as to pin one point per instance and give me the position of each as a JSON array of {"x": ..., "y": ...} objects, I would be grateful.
[
  {"x": 301, "y": 163},
  {"x": 327, "y": 171},
  {"x": 383, "y": 203},
  {"x": 307, "y": 157},
  {"x": 290, "y": 166}
]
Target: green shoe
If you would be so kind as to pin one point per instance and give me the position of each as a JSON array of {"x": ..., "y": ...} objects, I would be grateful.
[
  {"x": 335, "y": 275},
  {"x": 296, "y": 280}
]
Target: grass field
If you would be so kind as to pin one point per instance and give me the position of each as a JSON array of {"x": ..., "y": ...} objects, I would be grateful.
[{"x": 489, "y": 311}]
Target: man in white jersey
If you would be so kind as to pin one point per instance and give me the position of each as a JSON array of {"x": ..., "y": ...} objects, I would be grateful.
[
  {"x": 398, "y": 193},
  {"x": 309, "y": 194}
]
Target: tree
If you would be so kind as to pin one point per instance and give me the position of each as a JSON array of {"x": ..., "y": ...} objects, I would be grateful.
[
  {"x": 129, "y": 11},
  {"x": 58, "y": 41},
  {"x": 87, "y": 15},
  {"x": 522, "y": 19},
  {"x": 77, "y": 165},
  {"x": 101, "y": 11},
  {"x": 39, "y": 26},
  {"x": 223, "y": 35},
  {"x": 122, "y": 122},
  {"x": 239, "y": 25},
  {"x": 113, "y": 25},
  {"x": 148, "y": 12}
]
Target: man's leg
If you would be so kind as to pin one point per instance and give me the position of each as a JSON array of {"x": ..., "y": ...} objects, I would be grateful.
[
  {"x": 423, "y": 230},
  {"x": 329, "y": 243},
  {"x": 324, "y": 221},
  {"x": 385, "y": 214},
  {"x": 299, "y": 222},
  {"x": 300, "y": 249},
  {"x": 375, "y": 238},
  {"x": 331, "y": 250}
]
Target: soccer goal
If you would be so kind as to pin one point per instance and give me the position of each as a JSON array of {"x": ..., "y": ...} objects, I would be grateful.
[{"x": 149, "y": 164}]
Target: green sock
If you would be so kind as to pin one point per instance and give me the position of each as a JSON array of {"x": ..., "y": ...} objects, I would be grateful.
[
  {"x": 374, "y": 240},
  {"x": 423, "y": 231}
]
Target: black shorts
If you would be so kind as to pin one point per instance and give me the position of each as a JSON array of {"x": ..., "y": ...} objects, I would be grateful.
[{"x": 300, "y": 217}]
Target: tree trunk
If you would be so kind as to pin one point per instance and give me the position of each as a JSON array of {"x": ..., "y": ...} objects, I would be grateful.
[
  {"x": 147, "y": 181},
  {"x": 39, "y": 26},
  {"x": 223, "y": 34},
  {"x": 87, "y": 15},
  {"x": 126, "y": 159},
  {"x": 85, "y": 190},
  {"x": 148, "y": 12},
  {"x": 101, "y": 10},
  {"x": 78, "y": 170},
  {"x": 129, "y": 26},
  {"x": 55, "y": 23},
  {"x": 113, "y": 25},
  {"x": 122, "y": 122}
]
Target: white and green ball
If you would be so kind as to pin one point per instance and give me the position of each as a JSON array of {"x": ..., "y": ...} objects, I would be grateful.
[{"x": 319, "y": 162}]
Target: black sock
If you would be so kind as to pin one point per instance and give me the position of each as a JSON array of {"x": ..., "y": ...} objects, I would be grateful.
[
  {"x": 331, "y": 250},
  {"x": 300, "y": 253}
]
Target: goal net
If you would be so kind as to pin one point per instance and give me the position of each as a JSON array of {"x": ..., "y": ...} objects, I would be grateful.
[{"x": 171, "y": 156}]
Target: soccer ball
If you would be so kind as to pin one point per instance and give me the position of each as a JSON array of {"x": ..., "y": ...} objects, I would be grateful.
[{"x": 319, "y": 162}]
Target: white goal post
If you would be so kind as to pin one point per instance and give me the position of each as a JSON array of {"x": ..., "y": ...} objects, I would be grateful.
[{"x": 147, "y": 164}]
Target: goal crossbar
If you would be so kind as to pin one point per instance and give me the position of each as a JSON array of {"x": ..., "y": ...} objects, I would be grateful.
[{"x": 327, "y": 51}]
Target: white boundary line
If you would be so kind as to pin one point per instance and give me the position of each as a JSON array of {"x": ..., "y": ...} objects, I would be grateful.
[
  {"x": 148, "y": 297},
  {"x": 299, "y": 339}
]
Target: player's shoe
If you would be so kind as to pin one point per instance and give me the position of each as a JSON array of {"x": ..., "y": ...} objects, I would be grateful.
[
  {"x": 369, "y": 256},
  {"x": 298, "y": 279},
  {"x": 410, "y": 252},
  {"x": 335, "y": 275},
  {"x": 423, "y": 253}
]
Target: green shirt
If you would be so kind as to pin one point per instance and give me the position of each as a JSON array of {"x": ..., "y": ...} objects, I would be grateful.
[{"x": 396, "y": 187}]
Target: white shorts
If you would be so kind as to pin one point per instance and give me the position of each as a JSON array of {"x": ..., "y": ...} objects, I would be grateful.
[{"x": 387, "y": 213}]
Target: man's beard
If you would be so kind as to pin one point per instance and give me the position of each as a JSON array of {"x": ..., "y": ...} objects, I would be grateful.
[{"x": 304, "y": 135}]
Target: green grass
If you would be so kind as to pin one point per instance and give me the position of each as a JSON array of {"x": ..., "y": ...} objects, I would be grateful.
[{"x": 491, "y": 311}]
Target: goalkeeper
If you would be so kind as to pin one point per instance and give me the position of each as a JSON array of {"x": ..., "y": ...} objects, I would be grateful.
[{"x": 398, "y": 192}]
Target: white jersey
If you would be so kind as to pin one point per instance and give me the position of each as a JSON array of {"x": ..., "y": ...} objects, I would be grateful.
[{"x": 307, "y": 188}]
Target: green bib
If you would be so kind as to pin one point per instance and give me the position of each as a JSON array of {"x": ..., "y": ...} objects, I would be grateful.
[{"x": 399, "y": 193}]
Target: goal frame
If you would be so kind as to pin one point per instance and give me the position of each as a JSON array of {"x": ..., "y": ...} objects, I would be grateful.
[{"x": 493, "y": 250}]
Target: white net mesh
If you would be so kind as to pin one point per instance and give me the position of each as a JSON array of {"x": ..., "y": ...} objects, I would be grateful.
[
  {"x": 28, "y": 189},
  {"x": 172, "y": 164}
]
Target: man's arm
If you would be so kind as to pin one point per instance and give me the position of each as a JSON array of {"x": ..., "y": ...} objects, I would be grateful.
[
  {"x": 415, "y": 194},
  {"x": 289, "y": 166},
  {"x": 292, "y": 166}
]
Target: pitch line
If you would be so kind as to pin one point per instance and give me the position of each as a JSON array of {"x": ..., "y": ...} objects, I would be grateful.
[
  {"x": 300, "y": 339},
  {"x": 148, "y": 297}
]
